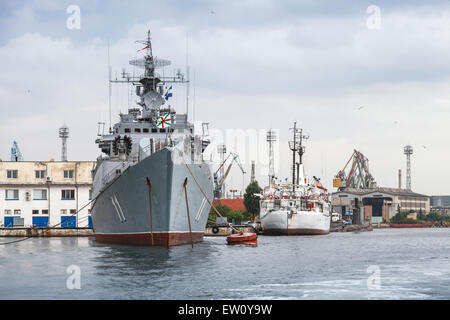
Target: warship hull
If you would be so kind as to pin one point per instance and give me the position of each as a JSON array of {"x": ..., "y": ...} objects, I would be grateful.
[
  {"x": 282, "y": 222},
  {"x": 122, "y": 212}
]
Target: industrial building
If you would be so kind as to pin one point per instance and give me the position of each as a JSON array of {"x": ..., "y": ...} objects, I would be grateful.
[
  {"x": 440, "y": 205},
  {"x": 45, "y": 193},
  {"x": 382, "y": 202}
]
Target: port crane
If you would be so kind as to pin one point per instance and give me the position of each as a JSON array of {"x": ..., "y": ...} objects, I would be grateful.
[
  {"x": 218, "y": 182},
  {"x": 358, "y": 176},
  {"x": 16, "y": 155}
]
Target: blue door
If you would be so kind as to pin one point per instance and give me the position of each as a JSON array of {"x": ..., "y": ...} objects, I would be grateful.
[
  {"x": 90, "y": 222},
  {"x": 68, "y": 222},
  {"x": 9, "y": 221},
  {"x": 40, "y": 222}
]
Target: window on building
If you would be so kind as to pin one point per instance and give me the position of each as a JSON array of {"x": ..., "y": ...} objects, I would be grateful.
[
  {"x": 67, "y": 194},
  {"x": 39, "y": 194},
  {"x": 35, "y": 211},
  {"x": 45, "y": 211},
  {"x": 127, "y": 130},
  {"x": 90, "y": 194},
  {"x": 17, "y": 212},
  {"x": 8, "y": 211},
  {"x": 68, "y": 174},
  {"x": 73, "y": 211},
  {"x": 11, "y": 194},
  {"x": 63, "y": 211},
  {"x": 137, "y": 130},
  {"x": 40, "y": 174},
  {"x": 154, "y": 130},
  {"x": 145, "y": 130},
  {"x": 12, "y": 174},
  {"x": 162, "y": 130}
]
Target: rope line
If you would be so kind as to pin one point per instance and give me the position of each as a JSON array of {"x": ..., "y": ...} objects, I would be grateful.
[{"x": 206, "y": 197}]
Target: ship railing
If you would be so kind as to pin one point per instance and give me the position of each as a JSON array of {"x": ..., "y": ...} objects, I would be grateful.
[{"x": 113, "y": 172}]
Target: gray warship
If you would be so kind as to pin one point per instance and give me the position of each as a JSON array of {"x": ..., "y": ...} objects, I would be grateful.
[{"x": 151, "y": 185}]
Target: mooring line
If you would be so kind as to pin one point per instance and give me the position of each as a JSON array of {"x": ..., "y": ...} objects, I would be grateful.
[
  {"x": 187, "y": 209},
  {"x": 207, "y": 199},
  {"x": 150, "y": 203}
]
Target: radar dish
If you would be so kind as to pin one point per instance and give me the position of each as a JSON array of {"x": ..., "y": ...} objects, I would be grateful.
[
  {"x": 153, "y": 100},
  {"x": 159, "y": 63}
]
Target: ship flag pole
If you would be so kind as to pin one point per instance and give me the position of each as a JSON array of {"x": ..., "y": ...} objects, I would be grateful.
[
  {"x": 109, "y": 89},
  {"x": 187, "y": 79}
]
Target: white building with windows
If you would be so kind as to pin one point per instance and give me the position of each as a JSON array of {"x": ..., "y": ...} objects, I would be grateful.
[{"x": 45, "y": 194}]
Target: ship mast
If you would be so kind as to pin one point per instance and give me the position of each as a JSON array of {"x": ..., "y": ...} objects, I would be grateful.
[{"x": 293, "y": 145}]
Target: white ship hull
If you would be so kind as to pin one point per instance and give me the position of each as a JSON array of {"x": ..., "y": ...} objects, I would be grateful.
[{"x": 282, "y": 222}]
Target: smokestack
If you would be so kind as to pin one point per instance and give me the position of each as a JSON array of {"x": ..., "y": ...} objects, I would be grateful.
[{"x": 399, "y": 178}]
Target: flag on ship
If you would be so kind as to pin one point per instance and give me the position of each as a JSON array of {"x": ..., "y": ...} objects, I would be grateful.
[
  {"x": 168, "y": 93},
  {"x": 146, "y": 47},
  {"x": 165, "y": 121}
]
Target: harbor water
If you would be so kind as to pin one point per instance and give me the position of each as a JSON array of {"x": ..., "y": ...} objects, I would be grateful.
[{"x": 383, "y": 264}]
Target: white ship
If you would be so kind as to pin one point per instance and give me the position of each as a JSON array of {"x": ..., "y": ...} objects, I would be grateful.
[{"x": 298, "y": 208}]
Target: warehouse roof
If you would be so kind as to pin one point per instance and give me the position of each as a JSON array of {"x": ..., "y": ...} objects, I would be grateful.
[
  {"x": 233, "y": 204},
  {"x": 392, "y": 191}
]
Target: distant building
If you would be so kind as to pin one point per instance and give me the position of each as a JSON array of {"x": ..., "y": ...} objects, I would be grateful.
[
  {"x": 383, "y": 202},
  {"x": 440, "y": 201},
  {"x": 440, "y": 205},
  {"x": 45, "y": 193}
]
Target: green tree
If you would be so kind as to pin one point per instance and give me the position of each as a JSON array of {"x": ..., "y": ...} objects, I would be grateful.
[
  {"x": 251, "y": 202},
  {"x": 225, "y": 211},
  {"x": 402, "y": 217}
]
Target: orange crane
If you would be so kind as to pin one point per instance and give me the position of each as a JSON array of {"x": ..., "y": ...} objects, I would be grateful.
[{"x": 358, "y": 177}]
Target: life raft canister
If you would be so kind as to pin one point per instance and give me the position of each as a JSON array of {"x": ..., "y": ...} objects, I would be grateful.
[{"x": 215, "y": 229}]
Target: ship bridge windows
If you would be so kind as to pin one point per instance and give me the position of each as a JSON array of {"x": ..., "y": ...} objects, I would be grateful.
[
  {"x": 145, "y": 130},
  {"x": 154, "y": 130},
  {"x": 127, "y": 130},
  {"x": 137, "y": 130},
  {"x": 162, "y": 130}
]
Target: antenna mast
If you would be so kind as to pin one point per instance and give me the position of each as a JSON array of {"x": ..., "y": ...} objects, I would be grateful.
[
  {"x": 271, "y": 138},
  {"x": 109, "y": 88},
  {"x": 187, "y": 79},
  {"x": 64, "y": 134},
  {"x": 408, "y": 151},
  {"x": 294, "y": 146}
]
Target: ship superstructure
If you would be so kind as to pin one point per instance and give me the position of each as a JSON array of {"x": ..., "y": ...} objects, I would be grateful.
[
  {"x": 151, "y": 160},
  {"x": 301, "y": 207}
]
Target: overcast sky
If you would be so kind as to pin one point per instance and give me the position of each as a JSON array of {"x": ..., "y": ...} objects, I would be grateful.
[{"x": 257, "y": 64}]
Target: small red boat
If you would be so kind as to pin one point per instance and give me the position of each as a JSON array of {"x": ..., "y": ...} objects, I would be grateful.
[{"x": 243, "y": 238}]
